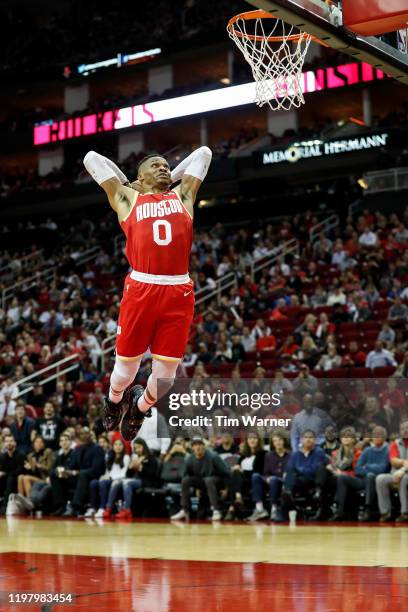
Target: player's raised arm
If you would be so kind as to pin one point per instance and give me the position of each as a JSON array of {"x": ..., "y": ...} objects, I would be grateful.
[
  {"x": 112, "y": 180},
  {"x": 192, "y": 171}
]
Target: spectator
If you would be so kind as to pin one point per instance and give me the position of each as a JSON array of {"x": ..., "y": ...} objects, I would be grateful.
[
  {"x": 227, "y": 446},
  {"x": 103, "y": 489},
  {"x": 247, "y": 340},
  {"x": 207, "y": 472},
  {"x": 387, "y": 335},
  {"x": 373, "y": 461},
  {"x": 330, "y": 443},
  {"x": 88, "y": 463},
  {"x": 142, "y": 472},
  {"x": 36, "y": 467},
  {"x": 11, "y": 466},
  {"x": 275, "y": 464},
  {"x": 237, "y": 350},
  {"x": 355, "y": 357},
  {"x": 21, "y": 429},
  {"x": 302, "y": 467},
  {"x": 329, "y": 360},
  {"x": 398, "y": 456},
  {"x": 305, "y": 382},
  {"x": 49, "y": 426},
  {"x": 380, "y": 357},
  {"x": 7, "y": 407},
  {"x": 62, "y": 482},
  {"x": 281, "y": 384},
  {"x": 368, "y": 239},
  {"x": 398, "y": 310},
  {"x": 334, "y": 475},
  {"x": 251, "y": 461},
  {"x": 307, "y": 418}
]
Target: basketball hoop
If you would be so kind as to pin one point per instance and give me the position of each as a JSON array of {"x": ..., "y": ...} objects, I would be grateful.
[{"x": 276, "y": 53}]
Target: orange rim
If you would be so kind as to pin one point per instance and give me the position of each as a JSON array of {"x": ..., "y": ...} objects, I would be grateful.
[{"x": 260, "y": 14}]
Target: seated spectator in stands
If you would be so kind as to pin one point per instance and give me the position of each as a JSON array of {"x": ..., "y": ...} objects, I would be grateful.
[
  {"x": 402, "y": 369},
  {"x": 274, "y": 468},
  {"x": 142, "y": 472},
  {"x": 210, "y": 325},
  {"x": 61, "y": 482},
  {"x": 398, "y": 457},
  {"x": 203, "y": 354},
  {"x": 330, "y": 442},
  {"x": 373, "y": 461},
  {"x": 237, "y": 349},
  {"x": 302, "y": 467},
  {"x": 21, "y": 428},
  {"x": 387, "y": 335},
  {"x": 70, "y": 410},
  {"x": 398, "y": 310},
  {"x": 206, "y": 472},
  {"x": 309, "y": 418},
  {"x": 88, "y": 463},
  {"x": 329, "y": 360},
  {"x": 223, "y": 354},
  {"x": 102, "y": 490},
  {"x": 305, "y": 382},
  {"x": 288, "y": 364},
  {"x": 36, "y": 466},
  {"x": 266, "y": 343},
  {"x": 333, "y": 476},
  {"x": 336, "y": 296},
  {"x": 189, "y": 357},
  {"x": 260, "y": 330},
  {"x": 354, "y": 358},
  {"x": 251, "y": 460},
  {"x": 247, "y": 340},
  {"x": 281, "y": 384},
  {"x": 11, "y": 466},
  {"x": 375, "y": 414},
  {"x": 380, "y": 357},
  {"x": 324, "y": 329},
  {"x": 308, "y": 352},
  {"x": 319, "y": 297},
  {"x": 226, "y": 446},
  {"x": 368, "y": 239},
  {"x": 289, "y": 346}
]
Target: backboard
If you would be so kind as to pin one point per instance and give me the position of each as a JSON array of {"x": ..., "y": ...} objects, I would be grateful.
[{"x": 325, "y": 21}]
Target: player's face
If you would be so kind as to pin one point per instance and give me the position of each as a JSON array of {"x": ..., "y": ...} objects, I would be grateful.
[{"x": 155, "y": 172}]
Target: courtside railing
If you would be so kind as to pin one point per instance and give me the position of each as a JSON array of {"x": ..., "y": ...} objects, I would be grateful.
[
  {"x": 51, "y": 372},
  {"x": 324, "y": 227},
  {"x": 42, "y": 276}
]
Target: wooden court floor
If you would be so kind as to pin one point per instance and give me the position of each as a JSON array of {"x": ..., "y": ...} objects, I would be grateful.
[{"x": 157, "y": 566}]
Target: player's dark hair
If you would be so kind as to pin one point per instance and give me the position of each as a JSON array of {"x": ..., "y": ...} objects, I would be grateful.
[{"x": 142, "y": 161}]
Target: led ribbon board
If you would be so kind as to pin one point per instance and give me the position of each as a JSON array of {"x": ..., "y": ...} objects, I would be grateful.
[{"x": 183, "y": 106}]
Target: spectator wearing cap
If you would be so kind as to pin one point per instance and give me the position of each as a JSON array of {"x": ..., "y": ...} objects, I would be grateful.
[
  {"x": 380, "y": 357},
  {"x": 206, "y": 472},
  {"x": 309, "y": 418}
]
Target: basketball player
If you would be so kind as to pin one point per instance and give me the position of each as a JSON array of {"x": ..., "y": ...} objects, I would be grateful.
[{"x": 158, "y": 298}]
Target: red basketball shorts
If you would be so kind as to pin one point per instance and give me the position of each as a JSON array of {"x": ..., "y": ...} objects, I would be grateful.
[{"x": 155, "y": 316}]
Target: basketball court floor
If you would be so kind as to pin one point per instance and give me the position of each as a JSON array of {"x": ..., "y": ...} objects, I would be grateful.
[{"x": 157, "y": 566}]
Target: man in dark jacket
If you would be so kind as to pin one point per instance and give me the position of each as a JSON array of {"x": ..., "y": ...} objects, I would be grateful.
[
  {"x": 206, "y": 472},
  {"x": 21, "y": 429},
  {"x": 302, "y": 467},
  {"x": 11, "y": 466},
  {"x": 88, "y": 463},
  {"x": 62, "y": 484}
]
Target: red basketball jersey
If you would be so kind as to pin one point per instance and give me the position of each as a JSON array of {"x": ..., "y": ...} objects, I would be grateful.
[{"x": 159, "y": 233}]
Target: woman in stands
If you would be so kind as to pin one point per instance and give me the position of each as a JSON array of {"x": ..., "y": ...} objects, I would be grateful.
[
  {"x": 342, "y": 462},
  {"x": 251, "y": 459},
  {"x": 36, "y": 466},
  {"x": 142, "y": 472},
  {"x": 105, "y": 488}
]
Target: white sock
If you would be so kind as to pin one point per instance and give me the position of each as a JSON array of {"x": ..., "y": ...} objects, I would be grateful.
[
  {"x": 259, "y": 506},
  {"x": 161, "y": 370}
]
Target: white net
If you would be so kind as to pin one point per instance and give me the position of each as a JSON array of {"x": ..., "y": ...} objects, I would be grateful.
[{"x": 276, "y": 64}]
